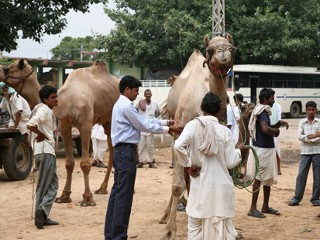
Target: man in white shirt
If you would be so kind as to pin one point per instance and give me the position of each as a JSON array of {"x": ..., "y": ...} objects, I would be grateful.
[
  {"x": 309, "y": 135},
  {"x": 17, "y": 107},
  {"x": 42, "y": 125},
  {"x": 206, "y": 148},
  {"x": 232, "y": 122},
  {"x": 274, "y": 118},
  {"x": 149, "y": 109}
]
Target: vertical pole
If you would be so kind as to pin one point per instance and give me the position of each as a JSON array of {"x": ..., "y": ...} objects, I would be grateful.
[
  {"x": 218, "y": 18},
  {"x": 81, "y": 53}
]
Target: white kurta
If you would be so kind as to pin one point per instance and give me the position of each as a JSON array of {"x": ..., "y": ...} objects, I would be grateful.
[
  {"x": 212, "y": 192},
  {"x": 274, "y": 118},
  {"x": 233, "y": 122},
  {"x": 14, "y": 104},
  {"x": 43, "y": 117},
  {"x": 146, "y": 144}
]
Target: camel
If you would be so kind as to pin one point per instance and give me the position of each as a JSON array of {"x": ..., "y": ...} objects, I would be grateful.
[
  {"x": 183, "y": 105},
  {"x": 21, "y": 76},
  {"x": 86, "y": 98}
]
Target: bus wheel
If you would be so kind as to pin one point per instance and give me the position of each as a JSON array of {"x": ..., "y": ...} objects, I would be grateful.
[{"x": 295, "y": 110}]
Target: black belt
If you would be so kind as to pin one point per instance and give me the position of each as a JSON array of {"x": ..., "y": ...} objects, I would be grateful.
[{"x": 122, "y": 144}]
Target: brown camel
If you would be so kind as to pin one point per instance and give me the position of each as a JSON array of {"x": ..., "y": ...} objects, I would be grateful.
[
  {"x": 87, "y": 97},
  {"x": 184, "y": 101},
  {"x": 21, "y": 76}
]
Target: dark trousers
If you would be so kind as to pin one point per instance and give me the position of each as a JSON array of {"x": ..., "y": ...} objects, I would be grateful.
[{"x": 120, "y": 200}]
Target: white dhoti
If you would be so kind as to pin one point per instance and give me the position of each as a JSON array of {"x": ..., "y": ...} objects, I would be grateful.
[
  {"x": 268, "y": 171},
  {"x": 219, "y": 228},
  {"x": 99, "y": 148},
  {"x": 146, "y": 146}
]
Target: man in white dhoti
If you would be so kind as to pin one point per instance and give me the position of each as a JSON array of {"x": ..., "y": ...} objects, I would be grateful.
[
  {"x": 262, "y": 133},
  {"x": 206, "y": 148},
  {"x": 149, "y": 109}
]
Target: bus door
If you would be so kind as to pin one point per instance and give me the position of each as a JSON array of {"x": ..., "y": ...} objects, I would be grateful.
[{"x": 253, "y": 88}]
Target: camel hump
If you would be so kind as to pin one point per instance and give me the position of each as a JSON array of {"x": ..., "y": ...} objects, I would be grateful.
[{"x": 99, "y": 64}]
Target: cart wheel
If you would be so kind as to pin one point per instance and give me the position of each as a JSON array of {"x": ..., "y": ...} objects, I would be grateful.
[{"x": 18, "y": 161}]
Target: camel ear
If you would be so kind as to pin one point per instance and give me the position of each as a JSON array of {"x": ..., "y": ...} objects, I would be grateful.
[
  {"x": 229, "y": 38},
  {"x": 206, "y": 41},
  {"x": 21, "y": 64}
]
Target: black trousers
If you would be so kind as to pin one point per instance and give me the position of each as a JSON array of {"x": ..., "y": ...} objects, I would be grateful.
[{"x": 120, "y": 200}]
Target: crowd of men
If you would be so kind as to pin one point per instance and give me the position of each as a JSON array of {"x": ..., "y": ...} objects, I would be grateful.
[{"x": 205, "y": 147}]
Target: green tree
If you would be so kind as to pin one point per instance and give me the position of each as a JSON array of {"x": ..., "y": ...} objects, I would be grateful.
[
  {"x": 157, "y": 33},
  {"x": 284, "y": 32},
  {"x": 71, "y": 49},
  {"x": 32, "y": 19},
  {"x": 160, "y": 33}
]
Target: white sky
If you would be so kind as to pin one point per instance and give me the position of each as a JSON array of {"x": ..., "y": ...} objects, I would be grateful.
[{"x": 79, "y": 25}]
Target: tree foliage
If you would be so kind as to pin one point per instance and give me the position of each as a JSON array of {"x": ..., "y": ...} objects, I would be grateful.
[
  {"x": 163, "y": 34},
  {"x": 157, "y": 33},
  {"x": 82, "y": 48},
  {"x": 284, "y": 32},
  {"x": 160, "y": 33},
  {"x": 32, "y": 19}
]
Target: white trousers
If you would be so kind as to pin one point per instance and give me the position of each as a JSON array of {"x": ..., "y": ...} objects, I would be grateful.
[
  {"x": 146, "y": 146},
  {"x": 99, "y": 148},
  {"x": 214, "y": 228}
]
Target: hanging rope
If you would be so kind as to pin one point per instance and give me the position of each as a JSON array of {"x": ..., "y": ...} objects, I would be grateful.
[{"x": 236, "y": 173}]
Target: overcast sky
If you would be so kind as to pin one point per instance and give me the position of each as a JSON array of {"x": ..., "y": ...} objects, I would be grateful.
[{"x": 79, "y": 25}]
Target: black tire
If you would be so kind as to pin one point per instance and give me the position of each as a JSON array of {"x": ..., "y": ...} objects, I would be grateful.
[
  {"x": 18, "y": 160},
  {"x": 295, "y": 110}
]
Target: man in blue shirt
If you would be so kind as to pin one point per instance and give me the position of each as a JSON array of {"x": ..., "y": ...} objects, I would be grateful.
[
  {"x": 262, "y": 133},
  {"x": 126, "y": 126}
]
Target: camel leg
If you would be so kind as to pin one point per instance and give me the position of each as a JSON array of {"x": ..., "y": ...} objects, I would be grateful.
[
  {"x": 104, "y": 184},
  {"x": 65, "y": 131},
  {"x": 165, "y": 216},
  {"x": 178, "y": 187},
  {"x": 85, "y": 133}
]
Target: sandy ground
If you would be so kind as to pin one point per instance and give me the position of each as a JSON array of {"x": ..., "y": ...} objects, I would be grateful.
[{"x": 152, "y": 194}]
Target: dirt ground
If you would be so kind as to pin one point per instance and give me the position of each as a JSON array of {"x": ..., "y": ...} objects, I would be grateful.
[{"x": 152, "y": 194}]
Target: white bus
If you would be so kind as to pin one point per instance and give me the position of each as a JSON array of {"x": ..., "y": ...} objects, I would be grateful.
[{"x": 294, "y": 86}]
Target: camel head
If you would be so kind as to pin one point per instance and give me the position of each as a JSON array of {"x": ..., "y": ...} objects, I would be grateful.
[
  {"x": 219, "y": 54},
  {"x": 171, "y": 79},
  {"x": 21, "y": 76}
]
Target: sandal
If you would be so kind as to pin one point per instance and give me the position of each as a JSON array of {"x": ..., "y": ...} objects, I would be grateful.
[
  {"x": 255, "y": 213},
  {"x": 271, "y": 211}
]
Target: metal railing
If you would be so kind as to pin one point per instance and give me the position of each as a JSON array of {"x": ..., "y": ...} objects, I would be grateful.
[{"x": 154, "y": 83}]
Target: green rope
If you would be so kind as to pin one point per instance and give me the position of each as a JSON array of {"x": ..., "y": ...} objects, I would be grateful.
[{"x": 237, "y": 175}]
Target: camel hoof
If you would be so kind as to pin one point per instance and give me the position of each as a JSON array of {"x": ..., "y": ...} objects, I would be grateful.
[
  {"x": 168, "y": 235},
  {"x": 101, "y": 191},
  {"x": 87, "y": 200},
  {"x": 64, "y": 198}
]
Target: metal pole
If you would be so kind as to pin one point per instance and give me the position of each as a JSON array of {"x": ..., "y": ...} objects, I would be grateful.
[{"x": 218, "y": 18}]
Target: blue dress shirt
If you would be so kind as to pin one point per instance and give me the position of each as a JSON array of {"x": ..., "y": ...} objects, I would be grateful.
[{"x": 127, "y": 123}]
